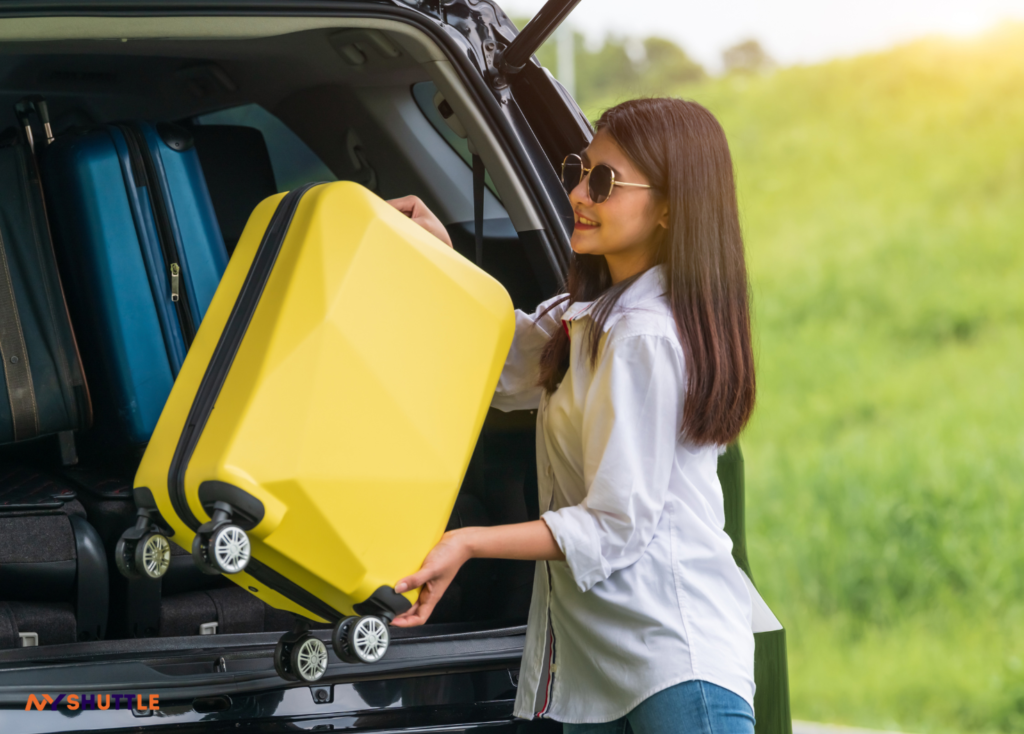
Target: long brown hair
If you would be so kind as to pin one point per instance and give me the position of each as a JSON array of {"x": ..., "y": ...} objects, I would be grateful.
[{"x": 681, "y": 149}]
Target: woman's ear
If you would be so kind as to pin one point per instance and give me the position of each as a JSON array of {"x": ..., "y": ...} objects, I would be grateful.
[{"x": 663, "y": 215}]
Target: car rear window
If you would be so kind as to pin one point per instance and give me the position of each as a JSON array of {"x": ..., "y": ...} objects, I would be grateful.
[{"x": 293, "y": 161}]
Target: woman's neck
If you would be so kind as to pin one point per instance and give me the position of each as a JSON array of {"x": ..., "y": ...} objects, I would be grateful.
[{"x": 627, "y": 264}]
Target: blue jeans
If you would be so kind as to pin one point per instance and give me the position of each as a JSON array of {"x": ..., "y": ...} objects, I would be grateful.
[{"x": 693, "y": 707}]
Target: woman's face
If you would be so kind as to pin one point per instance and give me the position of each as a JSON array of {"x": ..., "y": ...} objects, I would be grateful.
[{"x": 623, "y": 226}]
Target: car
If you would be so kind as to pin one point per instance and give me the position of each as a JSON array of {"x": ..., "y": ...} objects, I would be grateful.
[{"x": 438, "y": 98}]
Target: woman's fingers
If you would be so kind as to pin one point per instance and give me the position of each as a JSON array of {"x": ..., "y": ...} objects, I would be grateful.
[
  {"x": 433, "y": 579},
  {"x": 420, "y": 612},
  {"x": 408, "y": 618},
  {"x": 406, "y": 204},
  {"x": 417, "y": 615},
  {"x": 413, "y": 618},
  {"x": 415, "y": 581},
  {"x": 414, "y": 208}
]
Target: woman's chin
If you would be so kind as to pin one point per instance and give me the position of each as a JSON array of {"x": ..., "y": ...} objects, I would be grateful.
[{"x": 581, "y": 246}]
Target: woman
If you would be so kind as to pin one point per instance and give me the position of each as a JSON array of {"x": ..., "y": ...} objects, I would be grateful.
[{"x": 642, "y": 374}]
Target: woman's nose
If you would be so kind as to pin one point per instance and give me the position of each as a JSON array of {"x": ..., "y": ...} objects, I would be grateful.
[{"x": 580, "y": 194}]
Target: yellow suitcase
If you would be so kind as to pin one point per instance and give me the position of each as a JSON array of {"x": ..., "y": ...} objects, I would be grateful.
[{"x": 316, "y": 437}]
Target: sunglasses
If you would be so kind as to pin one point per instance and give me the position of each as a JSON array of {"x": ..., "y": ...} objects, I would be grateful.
[{"x": 601, "y": 179}]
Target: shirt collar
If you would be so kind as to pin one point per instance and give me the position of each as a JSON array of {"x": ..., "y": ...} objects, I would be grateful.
[{"x": 651, "y": 284}]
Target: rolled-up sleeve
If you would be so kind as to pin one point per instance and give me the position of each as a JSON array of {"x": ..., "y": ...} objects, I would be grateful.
[
  {"x": 517, "y": 387},
  {"x": 632, "y": 415}
]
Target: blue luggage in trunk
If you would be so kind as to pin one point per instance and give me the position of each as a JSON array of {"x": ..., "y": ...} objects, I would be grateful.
[{"x": 143, "y": 255}]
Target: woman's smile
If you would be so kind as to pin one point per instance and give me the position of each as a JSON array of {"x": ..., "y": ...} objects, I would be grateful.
[{"x": 584, "y": 224}]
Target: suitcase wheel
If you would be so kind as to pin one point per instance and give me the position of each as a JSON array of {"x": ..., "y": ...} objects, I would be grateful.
[
  {"x": 147, "y": 557},
  {"x": 302, "y": 659},
  {"x": 361, "y": 639},
  {"x": 339, "y": 640},
  {"x": 226, "y": 549}
]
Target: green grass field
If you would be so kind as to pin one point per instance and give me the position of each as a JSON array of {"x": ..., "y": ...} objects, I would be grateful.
[{"x": 883, "y": 208}]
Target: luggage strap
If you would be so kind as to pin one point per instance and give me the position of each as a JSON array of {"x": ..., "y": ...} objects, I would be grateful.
[
  {"x": 478, "y": 208},
  {"x": 17, "y": 371}
]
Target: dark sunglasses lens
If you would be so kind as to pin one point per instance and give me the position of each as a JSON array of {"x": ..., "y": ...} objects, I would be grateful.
[
  {"x": 572, "y": 170},
  {"x": 600, "y": 183}
]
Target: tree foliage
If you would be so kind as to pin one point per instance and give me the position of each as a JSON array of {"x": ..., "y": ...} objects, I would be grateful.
[
  {"x": 747, "y": 57},
  {"x": 621, "y": 68}
]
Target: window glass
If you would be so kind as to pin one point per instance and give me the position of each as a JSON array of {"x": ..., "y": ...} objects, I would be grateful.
[
  {"x": 423, "y": 93},
  {"x": 293, "y": 162}
]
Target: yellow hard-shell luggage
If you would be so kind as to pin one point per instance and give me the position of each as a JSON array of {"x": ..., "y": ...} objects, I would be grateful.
[{"x": 316, "y": 437}]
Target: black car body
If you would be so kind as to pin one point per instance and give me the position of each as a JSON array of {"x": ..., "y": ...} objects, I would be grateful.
[{"x": 385, "y": 93}]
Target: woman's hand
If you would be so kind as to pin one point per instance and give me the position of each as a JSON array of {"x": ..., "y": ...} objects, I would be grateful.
[
  {"x": 436, "y": 574},
  {"x": 416, "y": 210},
  {"x": 524, "y": 541}
]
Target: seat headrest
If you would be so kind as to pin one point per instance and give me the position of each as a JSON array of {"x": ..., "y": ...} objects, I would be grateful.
[{"x": 238, "y": 172}]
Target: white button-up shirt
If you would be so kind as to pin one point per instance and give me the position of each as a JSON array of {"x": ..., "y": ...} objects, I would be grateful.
[{"x": 649, "y": 595}]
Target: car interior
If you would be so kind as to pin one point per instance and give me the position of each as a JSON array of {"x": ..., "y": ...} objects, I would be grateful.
[{"x": 269, "y": 104}]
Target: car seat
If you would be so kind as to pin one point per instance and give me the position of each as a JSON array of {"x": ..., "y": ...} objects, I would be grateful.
[{"x": 238, "y": 174}]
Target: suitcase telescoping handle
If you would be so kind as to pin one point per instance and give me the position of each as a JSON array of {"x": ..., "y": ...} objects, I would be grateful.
[{"x": 24, "y": 108}]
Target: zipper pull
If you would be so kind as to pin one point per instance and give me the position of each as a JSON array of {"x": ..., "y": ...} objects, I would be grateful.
[{"x": 175, "y": 276}]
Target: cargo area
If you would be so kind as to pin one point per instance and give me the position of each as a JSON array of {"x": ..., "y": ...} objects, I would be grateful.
[{"x": 269, "y": 104}]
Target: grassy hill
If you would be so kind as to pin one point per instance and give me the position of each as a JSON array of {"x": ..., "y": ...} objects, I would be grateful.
[{"x": 883, "y": 208}]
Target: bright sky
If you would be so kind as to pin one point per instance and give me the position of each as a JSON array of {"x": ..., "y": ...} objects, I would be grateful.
[{"x": 791, "y": 31}]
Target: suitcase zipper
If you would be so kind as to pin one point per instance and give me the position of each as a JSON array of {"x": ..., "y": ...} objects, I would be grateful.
[
  {"x": 227, "y": 347},
  {"x": 175, "y": 274},
  {"x": 144, "y": 171},
  {"x": 213, "y": 380}
]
